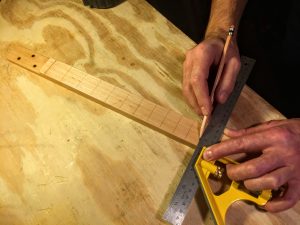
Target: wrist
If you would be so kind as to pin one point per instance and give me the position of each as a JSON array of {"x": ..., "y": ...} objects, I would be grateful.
[
  {"x": 224, "y": 13},
  {"x": 220, "y": 37},
  {"x": 220, "y": 33}
]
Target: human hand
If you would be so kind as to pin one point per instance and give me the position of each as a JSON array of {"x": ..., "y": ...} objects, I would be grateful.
[
  {"x": 278, "y": 143},
  {"x": 196, "y": 67}
]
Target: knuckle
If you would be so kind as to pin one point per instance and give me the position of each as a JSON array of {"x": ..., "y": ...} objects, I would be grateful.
[
  {"x": 240, "y": 143},
  {"x": 191, "y": 53},
  {"x": 201, "y": 47},
  {"x": 281, "y": 133},
  {"x": 252, "y": 169},
  {"x": 285, "y": 136}
]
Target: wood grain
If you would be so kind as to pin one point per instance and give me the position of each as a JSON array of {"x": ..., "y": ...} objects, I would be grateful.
[{"x": 68, "y": 160}]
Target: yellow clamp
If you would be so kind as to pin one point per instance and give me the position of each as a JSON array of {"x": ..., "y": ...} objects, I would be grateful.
[{"x": 219, "y": 203}]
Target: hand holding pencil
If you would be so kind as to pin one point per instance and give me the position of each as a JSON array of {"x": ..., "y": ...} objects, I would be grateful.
[
  {"x": 196, "y": 70},
  {"x": 218, "y": 77}
]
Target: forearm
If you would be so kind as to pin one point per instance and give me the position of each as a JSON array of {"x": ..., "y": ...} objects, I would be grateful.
[{"x": 223, "y": 14}]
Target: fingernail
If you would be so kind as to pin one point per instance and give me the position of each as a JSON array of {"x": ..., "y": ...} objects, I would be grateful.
[
  {"x": 207, "y": 155},
  {"x": 204, "y": 111},
  {"x": 227, "y": 131}
]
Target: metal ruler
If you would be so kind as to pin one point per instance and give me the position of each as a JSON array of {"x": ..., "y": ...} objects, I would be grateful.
[{"x": 189, "y": 183}]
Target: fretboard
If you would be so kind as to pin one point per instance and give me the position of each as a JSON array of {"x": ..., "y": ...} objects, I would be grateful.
[{"x": 136, "y": 107}]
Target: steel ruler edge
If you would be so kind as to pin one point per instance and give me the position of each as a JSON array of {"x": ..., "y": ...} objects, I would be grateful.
[{"x": 189, "y": 183}]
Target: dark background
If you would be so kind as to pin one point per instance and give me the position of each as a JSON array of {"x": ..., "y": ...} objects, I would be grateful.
[{"x": 269, "y": 32}]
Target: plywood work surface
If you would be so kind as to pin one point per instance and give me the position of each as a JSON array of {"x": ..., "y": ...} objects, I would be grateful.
[{"x": 65, "y": 159}]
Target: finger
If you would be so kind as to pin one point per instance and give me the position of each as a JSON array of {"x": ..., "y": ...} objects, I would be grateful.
[
  {"x": 244, "y": 144},
  {"x": 288, "y": 200},
  {"x": 228, "y": 79},
  {"x": 199, "y": 85},
  {"x": 254, "y": 168},
  {"x": 272, "y": 180},
  {"x": 192, "y": 101},
  {"x": 254, "y": 129},
  {"x": 191, "y": 98},
  {"x": 198, "y": 80},
  {"x": 186, "y": 87}
]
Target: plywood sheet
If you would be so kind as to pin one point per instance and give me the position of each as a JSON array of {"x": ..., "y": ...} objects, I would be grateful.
[{"x": 68, "y": 160}]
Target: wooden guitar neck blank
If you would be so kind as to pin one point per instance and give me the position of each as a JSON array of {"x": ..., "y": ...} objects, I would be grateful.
[{"x": 157, "y": 117}]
